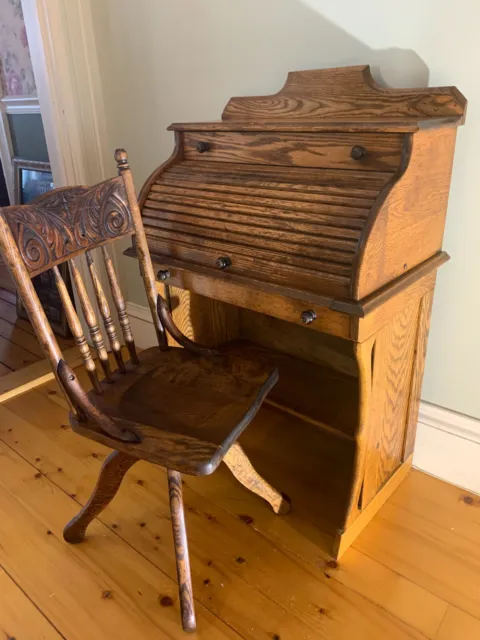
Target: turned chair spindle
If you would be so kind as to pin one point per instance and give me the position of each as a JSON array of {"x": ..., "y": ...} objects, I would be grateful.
[{"x": 180, "y": 407}]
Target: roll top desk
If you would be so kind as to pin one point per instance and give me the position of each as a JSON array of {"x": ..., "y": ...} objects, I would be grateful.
[{"x": 310, "y": 223}]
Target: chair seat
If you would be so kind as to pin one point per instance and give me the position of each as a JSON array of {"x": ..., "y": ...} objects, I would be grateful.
[{"x": 187, "y": 409}]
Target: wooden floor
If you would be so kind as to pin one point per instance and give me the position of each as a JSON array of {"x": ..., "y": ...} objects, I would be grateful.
[
  {"x": 413, "y": 573},
  {"x": 18, "y": 344}
]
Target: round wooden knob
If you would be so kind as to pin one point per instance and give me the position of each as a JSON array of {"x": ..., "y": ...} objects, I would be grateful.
[
  {"x": 307, "y": 317},
  {"x": 223, "y": 262},
  {"x": 358, "y": 152},
  {"x": 202, "y": 147},
  {"x": 163, "y": 275}
]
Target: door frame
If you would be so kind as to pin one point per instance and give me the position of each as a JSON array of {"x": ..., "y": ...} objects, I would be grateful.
[
  {"x": 67, "y": 75},
  {"x": 65, "y": 65}
]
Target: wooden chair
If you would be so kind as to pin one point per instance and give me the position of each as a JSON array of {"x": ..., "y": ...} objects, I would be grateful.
[{"x": 182, "y": 408}]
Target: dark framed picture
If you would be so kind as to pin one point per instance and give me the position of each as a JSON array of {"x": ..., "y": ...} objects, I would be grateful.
[{"x": 31, "y": 180}]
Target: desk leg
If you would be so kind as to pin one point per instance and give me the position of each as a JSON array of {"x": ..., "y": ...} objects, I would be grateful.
[{"x": 390, "y": 366}]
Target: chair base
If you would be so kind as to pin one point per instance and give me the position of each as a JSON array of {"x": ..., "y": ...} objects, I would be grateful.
[
  {"x": 237, "y": 461},
  {"x": 111, "y": 475}
]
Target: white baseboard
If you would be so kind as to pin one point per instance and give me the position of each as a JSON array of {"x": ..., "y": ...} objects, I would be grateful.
[
  {"x": 447, "y": 444},
  {"x": 142, "y": 325}
]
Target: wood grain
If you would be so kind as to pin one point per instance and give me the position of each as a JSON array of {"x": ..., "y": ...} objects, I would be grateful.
[
  {"x": 418, "y": 369},
  {"x": 145, "y": 262},
  {"x": 357, "y": 125},
  {"x": 106, "y": 583},
  {"x": 323, "y": 150},
  {"x": 346, "y": 537},
  {"x": 261, "y": 565},
  {"x": 111, "y": 475},
  {"x": 15, "y": 357},
  {"x": 104, "y": 308},
  {"x": 19, "y": 618},
  {"x": 343, "y": 93},
  {"x": 269, "y": 303},
  {"x": 13, "y": 333},
  {"x": 206, "y": 404},
  {"x": 64, "y": 222},
  {"x": 76, "y": 328},
  {"x": 257, "y": 264},
  {"x": 426, "y": 183},
  {"x": 241, "y": 467},
  {"x": 391, "y": 380},
  {"x": 180, "y": 541},
  {"x": 4, "y": 369},
  {"x": 293, "y": 206},
  {"x": 34, "y": 375},
  {"x": 458, "y": 625},
  {"x": 14, "y": 261},
  {"x": 428, "y": 533},
  {"x": 120, "y": 306},
  {"x": 90, "y": 318}
]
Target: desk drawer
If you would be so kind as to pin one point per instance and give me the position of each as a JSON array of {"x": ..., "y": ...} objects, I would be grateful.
[{"x": 371, "y": 151}]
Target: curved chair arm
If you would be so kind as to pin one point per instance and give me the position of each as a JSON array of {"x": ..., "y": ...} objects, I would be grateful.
[
  {"x": 167, "y": 321},
  {"x": 86, "y": 409}
]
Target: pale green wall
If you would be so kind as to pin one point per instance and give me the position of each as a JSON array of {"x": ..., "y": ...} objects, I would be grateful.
[{"x": 181, "y": 60}]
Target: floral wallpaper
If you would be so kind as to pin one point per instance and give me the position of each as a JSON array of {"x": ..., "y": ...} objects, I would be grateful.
[{"x": 16, "y": 71}]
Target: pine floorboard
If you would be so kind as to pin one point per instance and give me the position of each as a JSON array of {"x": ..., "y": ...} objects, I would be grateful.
[
  {"x": 413, "y": 573},
  {"x": 19, "y": 346}
]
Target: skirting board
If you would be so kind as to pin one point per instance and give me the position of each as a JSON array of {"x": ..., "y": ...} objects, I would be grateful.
[
  {"x": 447, "y": 444},
  {"x": 142, "y": 325}
]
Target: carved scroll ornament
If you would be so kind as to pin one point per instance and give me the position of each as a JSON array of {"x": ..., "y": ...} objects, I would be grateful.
[{"x": 65, "y": 222}]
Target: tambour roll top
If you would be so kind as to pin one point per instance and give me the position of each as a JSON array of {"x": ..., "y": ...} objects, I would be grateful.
[{"x": 326, "y": 191}]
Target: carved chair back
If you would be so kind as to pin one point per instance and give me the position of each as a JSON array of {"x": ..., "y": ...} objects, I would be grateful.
[{"x": 60, "y": 226}]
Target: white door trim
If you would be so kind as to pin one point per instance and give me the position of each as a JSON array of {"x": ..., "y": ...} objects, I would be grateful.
[
  {"x": 6, "y": 152},
  {"x": 65, "y": 64},
  {"x": 23, "y": 105}
]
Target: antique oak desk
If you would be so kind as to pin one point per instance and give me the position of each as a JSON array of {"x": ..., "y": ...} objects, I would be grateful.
[{"x": 310, "y": 223}]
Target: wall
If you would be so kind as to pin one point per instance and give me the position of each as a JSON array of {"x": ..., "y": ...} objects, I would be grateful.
[
  {"x": 16, "y": 73},
  {"x": 178, "y": 61}
]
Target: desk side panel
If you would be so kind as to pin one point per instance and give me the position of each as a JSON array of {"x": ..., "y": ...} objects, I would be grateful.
[{"x": 409, "y": 226}]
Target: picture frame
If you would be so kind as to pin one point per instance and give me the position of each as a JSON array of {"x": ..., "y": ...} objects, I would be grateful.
[{"x": 31, "y": 180}]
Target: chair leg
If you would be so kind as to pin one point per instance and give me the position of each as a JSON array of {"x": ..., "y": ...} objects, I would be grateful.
[
  {"x": 181, "y": 550},
  {"x": 111, "y": 475},
  {"x": 241, "y": 467}
]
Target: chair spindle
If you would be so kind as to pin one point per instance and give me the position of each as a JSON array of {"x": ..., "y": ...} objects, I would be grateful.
[
  {"x": 119, "y": 302},
  {"x": 105, "y": 312},
  {"x": 144, "y": 260},
  {"x": 76, "y": 329},
  {"x": 91, "y": 320}
]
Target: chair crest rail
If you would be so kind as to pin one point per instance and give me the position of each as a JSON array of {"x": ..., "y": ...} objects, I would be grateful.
[{"x": 65, "y": 222}]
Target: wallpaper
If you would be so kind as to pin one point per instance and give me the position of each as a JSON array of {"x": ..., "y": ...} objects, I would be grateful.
[{"x": 15, "y": 64}]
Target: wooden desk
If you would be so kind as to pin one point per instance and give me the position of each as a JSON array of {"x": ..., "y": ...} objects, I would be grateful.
[{"x": 310, "y": 223}]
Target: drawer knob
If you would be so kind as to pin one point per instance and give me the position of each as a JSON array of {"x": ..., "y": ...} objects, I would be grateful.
[
  {"x": 202, "y": 147},
  {"x": 358, "y": 152},
  {"x": 307, "y": 317},
  {"x": 163, "y": 275},
  {"x": 223, "y": 262}
]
